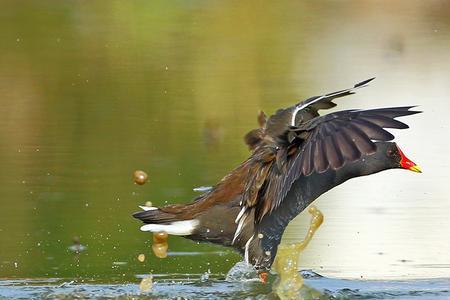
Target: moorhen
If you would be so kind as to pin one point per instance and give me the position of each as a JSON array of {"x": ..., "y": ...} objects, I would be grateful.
[{"x": 297, "y": 155}]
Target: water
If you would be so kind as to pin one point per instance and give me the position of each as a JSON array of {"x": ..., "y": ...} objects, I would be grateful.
[
  {"x": 92, "y": 91},
  {"x": 193, "y": 288}
]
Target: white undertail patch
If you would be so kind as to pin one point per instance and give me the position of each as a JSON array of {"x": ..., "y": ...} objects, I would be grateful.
[
  {"x": 186, "y": 227},
  {"x": 146, "y": 208}
]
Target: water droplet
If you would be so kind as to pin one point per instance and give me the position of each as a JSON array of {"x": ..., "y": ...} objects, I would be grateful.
[{"x": 140, "y": 177}]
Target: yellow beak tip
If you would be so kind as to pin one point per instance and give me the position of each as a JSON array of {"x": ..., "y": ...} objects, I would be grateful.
[{"x": 416, "y": 169}]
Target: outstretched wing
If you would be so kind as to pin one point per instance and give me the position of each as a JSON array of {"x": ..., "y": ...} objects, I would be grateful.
[
  {"x": 330, "y": 142},
  {"x": 344, "y": 136}
]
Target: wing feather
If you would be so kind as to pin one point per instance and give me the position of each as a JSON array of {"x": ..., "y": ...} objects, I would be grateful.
[
  {"x": 384, "y": 122},
  {"x": 333, "y": 153},
  {"x": 349, "y": 149},
  {"x": 360, "y": 138},
  {"x": 306, "y": 165},
  {"x": 324, "y": 101},
  {"x": 320, "y": 157}
]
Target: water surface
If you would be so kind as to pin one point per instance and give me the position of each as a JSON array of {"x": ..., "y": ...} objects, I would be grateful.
[{"x": 190, "y": 288}]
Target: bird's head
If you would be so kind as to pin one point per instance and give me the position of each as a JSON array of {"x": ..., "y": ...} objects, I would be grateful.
[{"x": 399, "y": 160}]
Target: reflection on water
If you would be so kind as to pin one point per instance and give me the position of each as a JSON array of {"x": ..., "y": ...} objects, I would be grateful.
[{"x": 91, "y": 91}]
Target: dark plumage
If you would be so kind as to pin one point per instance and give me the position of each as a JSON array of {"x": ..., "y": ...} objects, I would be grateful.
[{"x": 297, "y": 155}]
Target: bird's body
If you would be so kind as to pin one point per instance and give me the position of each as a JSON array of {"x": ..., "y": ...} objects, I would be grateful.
[{"x": 297, "y": 155}]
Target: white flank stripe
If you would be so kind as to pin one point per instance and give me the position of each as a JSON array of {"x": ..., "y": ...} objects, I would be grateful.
[
  {"x": 246, "y": 249},
  {"x": 239, "y": 228},
  {"x": 174, "y": 228},
  {"x": 240, "y": 214},
  {"x": 147, "y": 207},
  {"x": 236, "y": 233}
]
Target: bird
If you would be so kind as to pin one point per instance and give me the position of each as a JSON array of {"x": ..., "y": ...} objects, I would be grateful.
[{"x": 296, "y": 156}]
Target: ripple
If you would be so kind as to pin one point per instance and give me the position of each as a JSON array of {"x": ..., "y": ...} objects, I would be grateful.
[{"x": 232, "y": 288}]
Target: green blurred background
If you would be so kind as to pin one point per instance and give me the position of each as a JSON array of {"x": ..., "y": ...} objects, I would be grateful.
[{"x": 92, "y": 90}]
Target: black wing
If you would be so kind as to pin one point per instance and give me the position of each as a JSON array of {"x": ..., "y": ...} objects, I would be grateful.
[{"x": 337, "y": 138}]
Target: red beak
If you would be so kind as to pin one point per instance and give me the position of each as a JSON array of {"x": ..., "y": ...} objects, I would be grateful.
[{"x": 408, "y": 164}]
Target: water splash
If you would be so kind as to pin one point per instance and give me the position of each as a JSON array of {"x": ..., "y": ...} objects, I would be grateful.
[
  {"x": 160, "y": 244},
  {"x": 242, "y": 271},
  {"x": 290, "y": 282},
  {"x": 146, "y": 284}
]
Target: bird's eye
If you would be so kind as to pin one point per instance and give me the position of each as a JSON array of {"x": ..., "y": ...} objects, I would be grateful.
[{"x": 390, "y": 152}]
